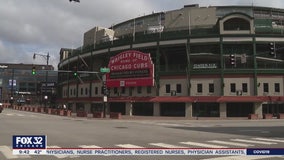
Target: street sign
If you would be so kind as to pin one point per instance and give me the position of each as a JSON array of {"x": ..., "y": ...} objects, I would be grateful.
[{"x": 105, "y": 70}]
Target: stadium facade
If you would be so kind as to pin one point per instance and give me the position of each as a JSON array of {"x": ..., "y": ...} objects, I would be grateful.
[{"x": 216, "y": 61}]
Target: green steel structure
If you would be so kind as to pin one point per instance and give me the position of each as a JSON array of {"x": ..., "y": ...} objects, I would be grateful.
[{"x": 217, "y": 61}]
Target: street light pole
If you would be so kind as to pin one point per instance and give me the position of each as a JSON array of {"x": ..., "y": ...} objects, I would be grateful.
[{"x": 46, "y": 74}]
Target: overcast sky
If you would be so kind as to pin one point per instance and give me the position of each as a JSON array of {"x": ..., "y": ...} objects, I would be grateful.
[{"x": 45, "y": 26}]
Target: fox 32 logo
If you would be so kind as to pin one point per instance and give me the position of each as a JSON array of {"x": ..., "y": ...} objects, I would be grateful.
[{"x": 29, "y": 142}]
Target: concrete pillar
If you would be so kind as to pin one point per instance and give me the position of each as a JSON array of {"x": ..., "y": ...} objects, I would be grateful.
[
  {"x": 188, "y": 110},
  {"x": 128, "y": 108},
  {"x": 73, "y": 107},
  {"x": 156, "y": 109},
  {"x": 258, "y": 109},
  {"x": 223, "y": 110}
]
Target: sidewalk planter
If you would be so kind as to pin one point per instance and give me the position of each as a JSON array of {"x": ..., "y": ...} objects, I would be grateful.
[
  {"x": 253, "y": 116},
  {"x": 49, "y": 110},
  {"x": 41, "y": 110},
  {"x": 54, "y": 111},
  {"x": 280, "y": 116},
  {"x": 81, "y": 114},
  {"x": 267, "y": 116},
  {"x": 89, "y": 115},
  {"x": 61, "y": 112},
  {"x": 68, "y": 113},
  {"x": 115, "y": 115},
  {"x": 98, "y": 114}
]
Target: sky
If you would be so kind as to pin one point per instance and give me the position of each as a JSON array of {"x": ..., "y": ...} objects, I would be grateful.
[{"x": 46, "y": 26}]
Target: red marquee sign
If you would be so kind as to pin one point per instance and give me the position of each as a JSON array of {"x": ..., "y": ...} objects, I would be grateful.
[{"x": 129, "y": 69}]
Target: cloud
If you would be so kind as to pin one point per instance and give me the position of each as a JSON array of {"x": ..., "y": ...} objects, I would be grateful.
[{"x": 44, "y": 26}]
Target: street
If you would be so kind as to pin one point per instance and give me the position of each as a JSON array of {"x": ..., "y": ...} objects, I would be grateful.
[{"x": 68, "y": 132}]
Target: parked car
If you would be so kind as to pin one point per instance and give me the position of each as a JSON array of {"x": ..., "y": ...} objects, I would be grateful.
[{"x": 1, "y": 107}]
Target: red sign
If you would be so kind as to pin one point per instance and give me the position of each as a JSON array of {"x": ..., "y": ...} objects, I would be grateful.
[{"x": 130, "y": 68}]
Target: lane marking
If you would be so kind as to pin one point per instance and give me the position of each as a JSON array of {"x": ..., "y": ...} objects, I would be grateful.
[
  {"x": 89, "y": 146},
  {"x": 8, "y": 153},
  {"x": 267, "y": 139},
  {"x": 231, "y": 143},
  {"x": 251, "y": 141},
  {"x": 203, "y": 145},
  {"x": 164, "y": 145},
  {"x": 61, "y": 156},
  {"x": 128, "y": 146}
]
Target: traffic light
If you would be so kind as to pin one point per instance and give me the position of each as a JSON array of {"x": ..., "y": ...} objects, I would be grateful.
[
  {"x": 105, "y": 90},
  {"x": 75, "y": 72},
  {"x": 33, "y": 70},
  {"x": 232, "y": 59},
  {"x": 271, "y": 46}
]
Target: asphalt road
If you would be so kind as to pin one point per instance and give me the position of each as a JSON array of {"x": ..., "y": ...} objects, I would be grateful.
[{"x": 67, "y": 132}]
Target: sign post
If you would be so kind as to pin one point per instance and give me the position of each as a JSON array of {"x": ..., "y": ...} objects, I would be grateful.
[{"x": 105, "y": 90}]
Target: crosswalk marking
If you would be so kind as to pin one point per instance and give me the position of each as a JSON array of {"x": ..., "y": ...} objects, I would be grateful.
[
  {"x": 203, "y": 145},
  {"x": 128, "y": 146},
  {"x": 8, "y": 153},
  {"x": 61, "y": 156},
  {"x": 231, "y": 143},
  {"x": 251, "y": 141},
  {"x": 89, "y": 146},
  {"x": 164, "y": 145},
  {"x": 266, "y": 139},
  {"x": 240, "y": 157}
]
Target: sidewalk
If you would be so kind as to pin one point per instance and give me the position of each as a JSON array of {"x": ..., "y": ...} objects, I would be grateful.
[{"x": 126, "y": 117}]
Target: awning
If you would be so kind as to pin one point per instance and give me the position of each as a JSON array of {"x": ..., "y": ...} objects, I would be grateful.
[
  {"x": 171, "y": 99},
  {"x": 129, "y": 99},
  {"x": 193, "y": 99},
  {"x": 240, "y": 99},
  {"x": 272, "y": 98}
]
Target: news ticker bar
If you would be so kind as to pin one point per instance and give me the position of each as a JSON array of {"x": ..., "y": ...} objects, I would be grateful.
[{"x": 149, "y": 151}]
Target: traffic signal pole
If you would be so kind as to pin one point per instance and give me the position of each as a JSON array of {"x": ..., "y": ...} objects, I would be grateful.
[{"x": 46, "y": 74}]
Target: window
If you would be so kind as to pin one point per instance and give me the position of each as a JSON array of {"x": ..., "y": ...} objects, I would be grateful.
[
  {"x": 96, "y": 90},
  {"x": 82, "y": 91},
  {"x": 130, "y": 90},
  {"x": 86, "y": 91},
  {"x": 149, "y": 89},
  {"x": 233, "y": 87},
  {"x": 211, "y": 87},
  {"x": 102, "y": 90},
  {"x": 199, "y": 88},
  {"x": 139, "y": 90},
  {"x": 71, "y": 92},
  {"x": 178, "y": 88},
  {"x": 276, "y": 87},
  {"x": 123, "y": 90},
  {"x": 265, "y": 87},
  {"x": 245, "y": 87},
  {"x": 168, "y": 88},
  {"x": 236, "y": 24},
  {"x": 115, "y": 90}
]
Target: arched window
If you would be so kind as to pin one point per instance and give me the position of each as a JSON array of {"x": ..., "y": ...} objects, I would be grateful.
[{"x": 235, "y": 24}]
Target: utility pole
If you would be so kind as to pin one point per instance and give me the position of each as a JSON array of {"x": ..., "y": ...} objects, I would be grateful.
[{"x": 46, "y": 74}]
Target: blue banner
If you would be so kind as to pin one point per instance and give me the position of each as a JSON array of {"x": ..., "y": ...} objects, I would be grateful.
[
  {"x": 265, "y": 151},
  {"x": 29, "y": 142}
]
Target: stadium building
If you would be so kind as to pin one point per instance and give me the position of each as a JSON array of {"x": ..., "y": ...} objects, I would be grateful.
[{"x": 216, "y": 61}]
